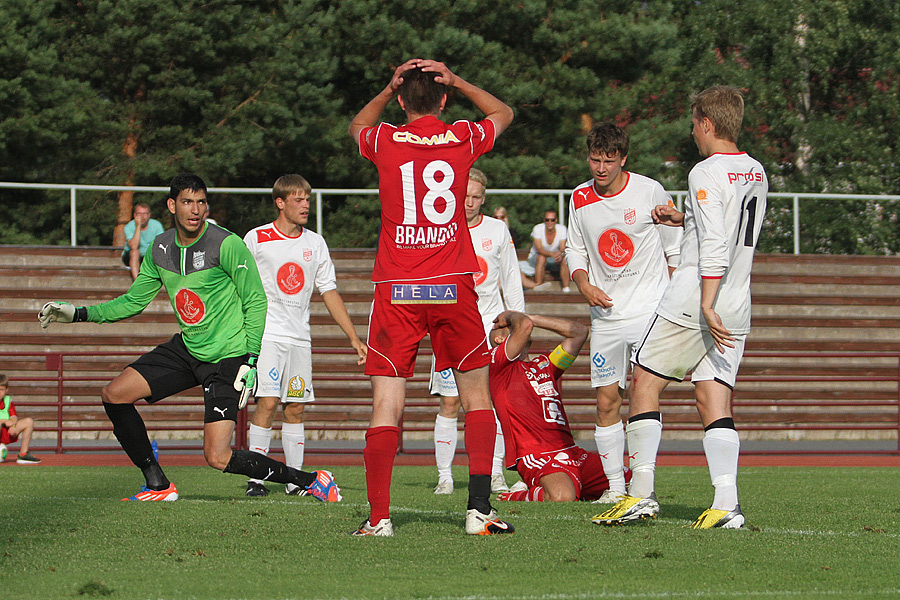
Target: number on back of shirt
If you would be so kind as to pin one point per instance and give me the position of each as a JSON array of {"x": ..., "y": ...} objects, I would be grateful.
[
  {"x": 439, "y": 203},
  {"x": 747, "y": 227}
]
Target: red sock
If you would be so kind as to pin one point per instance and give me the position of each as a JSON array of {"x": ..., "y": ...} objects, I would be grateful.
[
  {"x": 480, "y": 431},
  {"x": 535, "y": 494},
  {"x": 381, "y": 448}
]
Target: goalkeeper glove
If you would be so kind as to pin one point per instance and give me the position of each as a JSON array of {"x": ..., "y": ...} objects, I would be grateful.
[
  {"x": 61, "y": 312},
  {"x": 246, "y": 379}
]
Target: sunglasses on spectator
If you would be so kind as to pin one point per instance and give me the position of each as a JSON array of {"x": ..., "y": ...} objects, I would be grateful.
[{"x": 549, "y": 220}]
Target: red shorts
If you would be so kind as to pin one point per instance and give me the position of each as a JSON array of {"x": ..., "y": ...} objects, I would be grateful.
[
  {"x": 583, "y": 468},
  {"x": 6, "y": 437},
  {"x": 445, "y": 308}
]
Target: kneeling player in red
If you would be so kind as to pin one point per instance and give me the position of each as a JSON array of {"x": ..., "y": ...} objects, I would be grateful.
[{"x": 539, "y": 443}]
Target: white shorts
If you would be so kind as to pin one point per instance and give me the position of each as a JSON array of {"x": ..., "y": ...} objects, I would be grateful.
[
  {"x": 443, "y": 383},
  {"x": 612, "y": 345},
  {"x": 284, "y": 371},
  {"x": 671, "y": 351}
]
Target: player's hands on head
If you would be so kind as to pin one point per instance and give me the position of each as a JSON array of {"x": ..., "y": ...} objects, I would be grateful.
[
  {"x": 397, "y": 79},
  {"x": 57, "y": 312},
  {"x": 444, "y": 74},
  {"x": 245, "y": 380}
]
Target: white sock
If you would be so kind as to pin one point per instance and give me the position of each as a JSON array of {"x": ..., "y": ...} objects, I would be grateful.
[
  {"x": 445, "y": 437},
  {"x": 499, "y": 451},
  {"x": 610, "y": 442},
  {"x": 722, "y": 447},
  {"x": 643, "y": 444},
  {"x": 293, "y": 440},
  {"x": 259, "y": 439}
]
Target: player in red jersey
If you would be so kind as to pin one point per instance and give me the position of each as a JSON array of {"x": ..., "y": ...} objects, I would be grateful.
[
  {"x": 423, "y": 273},
  {"x": 526, "y": 394}
]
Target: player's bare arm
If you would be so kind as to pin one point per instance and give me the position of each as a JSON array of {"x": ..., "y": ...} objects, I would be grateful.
[
  {"x": 594, "y": 295},
  {"x": 668, "y": 215},
  {"x": 575, "y": 333},
  {"x": 370, "y": 113},
  {"x": 493, "y": 108},
  {"x": 338, "y": 311},
  {"x": 721, "y": 336}
]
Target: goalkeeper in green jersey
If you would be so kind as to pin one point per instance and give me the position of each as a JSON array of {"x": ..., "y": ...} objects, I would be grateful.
[{"x": 215, "y": 289}]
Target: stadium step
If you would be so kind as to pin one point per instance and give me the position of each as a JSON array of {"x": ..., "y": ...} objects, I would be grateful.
[{"x": 802, "y": 304}]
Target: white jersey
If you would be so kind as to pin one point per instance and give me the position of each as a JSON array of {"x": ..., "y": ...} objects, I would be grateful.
[
  {"x": 539, "y": 232},
  {"x": 723, "y": 216},
  {"x": 289, "y": 268},
  {"x": 498, "y": 270},
  {"x": 614, "y": 240}
]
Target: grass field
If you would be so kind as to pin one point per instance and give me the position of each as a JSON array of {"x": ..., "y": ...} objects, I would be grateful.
[{"x": 812, "y": 533}]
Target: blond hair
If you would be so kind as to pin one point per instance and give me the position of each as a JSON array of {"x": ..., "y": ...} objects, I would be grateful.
[
  {"x": 723, "y": 105},
  {"x": 287, "y": 184},
  {"x": 478, "y": 176}
]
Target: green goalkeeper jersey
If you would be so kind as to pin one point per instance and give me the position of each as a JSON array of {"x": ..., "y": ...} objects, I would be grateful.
[{"x": 214, "y": 287}]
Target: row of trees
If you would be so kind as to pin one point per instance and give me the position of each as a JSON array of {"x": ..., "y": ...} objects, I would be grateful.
[{"x": 134, "y": 91}]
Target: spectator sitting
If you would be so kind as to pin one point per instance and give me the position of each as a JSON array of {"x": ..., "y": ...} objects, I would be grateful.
[
  {"x": 11, "y": 426},
  {"x": 138, "y": 239},
  {"x": 547, "y": 251}
]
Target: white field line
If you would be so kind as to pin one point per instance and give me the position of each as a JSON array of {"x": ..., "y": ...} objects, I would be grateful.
[{"x": 451, "y": 513}]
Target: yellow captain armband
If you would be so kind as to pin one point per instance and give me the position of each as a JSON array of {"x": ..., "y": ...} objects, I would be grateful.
[{"x": 562, "y": 359}]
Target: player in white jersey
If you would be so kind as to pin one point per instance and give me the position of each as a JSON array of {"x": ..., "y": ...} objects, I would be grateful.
[
  {"x": 498, "y": 270},
  {"x": 703, "y": 319},
  {"x": 291, "y": 261},
  {"x": 620, "y": 260}
]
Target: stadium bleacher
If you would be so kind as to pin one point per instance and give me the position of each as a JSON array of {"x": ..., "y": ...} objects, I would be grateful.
[{"x": 822, "y": 365}]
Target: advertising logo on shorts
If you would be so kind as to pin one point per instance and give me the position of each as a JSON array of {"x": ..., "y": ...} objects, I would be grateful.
[
  {"x": 290, "y": 278},
  {"x": 296, "y": 387},
  {"x": 615, "y": 248},
  {"x": 189, "y": 306},
  {"x": 482, "y": 273}
]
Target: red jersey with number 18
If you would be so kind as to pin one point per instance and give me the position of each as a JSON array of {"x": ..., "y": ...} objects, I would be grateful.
[{"x": 423, "y": 171}]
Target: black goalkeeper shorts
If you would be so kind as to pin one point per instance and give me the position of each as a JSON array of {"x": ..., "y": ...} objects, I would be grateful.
[{"x": 170, "y": 368}]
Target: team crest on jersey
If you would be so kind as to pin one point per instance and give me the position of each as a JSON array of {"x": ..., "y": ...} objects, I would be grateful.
[
  {"x": 482, "y": 273},
  {"x": 543, "y": 363},
  {"x": 615, "y": 247},
  {"x": 630, "y": 216},
  {"x": 553, "y": 411},
  {"x": 290, "y": 278},
  {"x": 307, "y": 254},
  {"x": 487, "y": 244},
  {"x": 199, "y": 260},
  {"x": 296, "y": 387},
  {"x": 189, "y": 306}
]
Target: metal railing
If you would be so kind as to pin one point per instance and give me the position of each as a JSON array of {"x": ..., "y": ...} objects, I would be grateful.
[
  {"x": 76, "y": 409},
  {"x": 561, "y": 196}
]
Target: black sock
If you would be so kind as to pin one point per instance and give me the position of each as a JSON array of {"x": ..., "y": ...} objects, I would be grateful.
[
  {"x": 259, "y": 466},
  {"x": 129, "y": 429},
  {"x": 480, "y": 493}
]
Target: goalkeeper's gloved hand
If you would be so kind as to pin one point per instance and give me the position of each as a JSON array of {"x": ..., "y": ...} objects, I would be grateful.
[
  {"x": 61, "y": 312},
  {"x": 246, "y": 379}
]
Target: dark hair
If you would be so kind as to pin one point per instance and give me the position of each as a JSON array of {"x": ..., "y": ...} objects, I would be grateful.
[
  {"x": 185, "y": 181},
  {"x": 420, "y": 92},
  {"x": 608, "y": 138}
]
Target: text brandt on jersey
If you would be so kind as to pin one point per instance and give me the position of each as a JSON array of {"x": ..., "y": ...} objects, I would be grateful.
[{"x": 410, "y": 235}]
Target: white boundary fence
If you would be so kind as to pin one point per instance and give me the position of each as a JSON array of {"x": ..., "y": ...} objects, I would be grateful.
[{"x": 561, "y": 196}]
